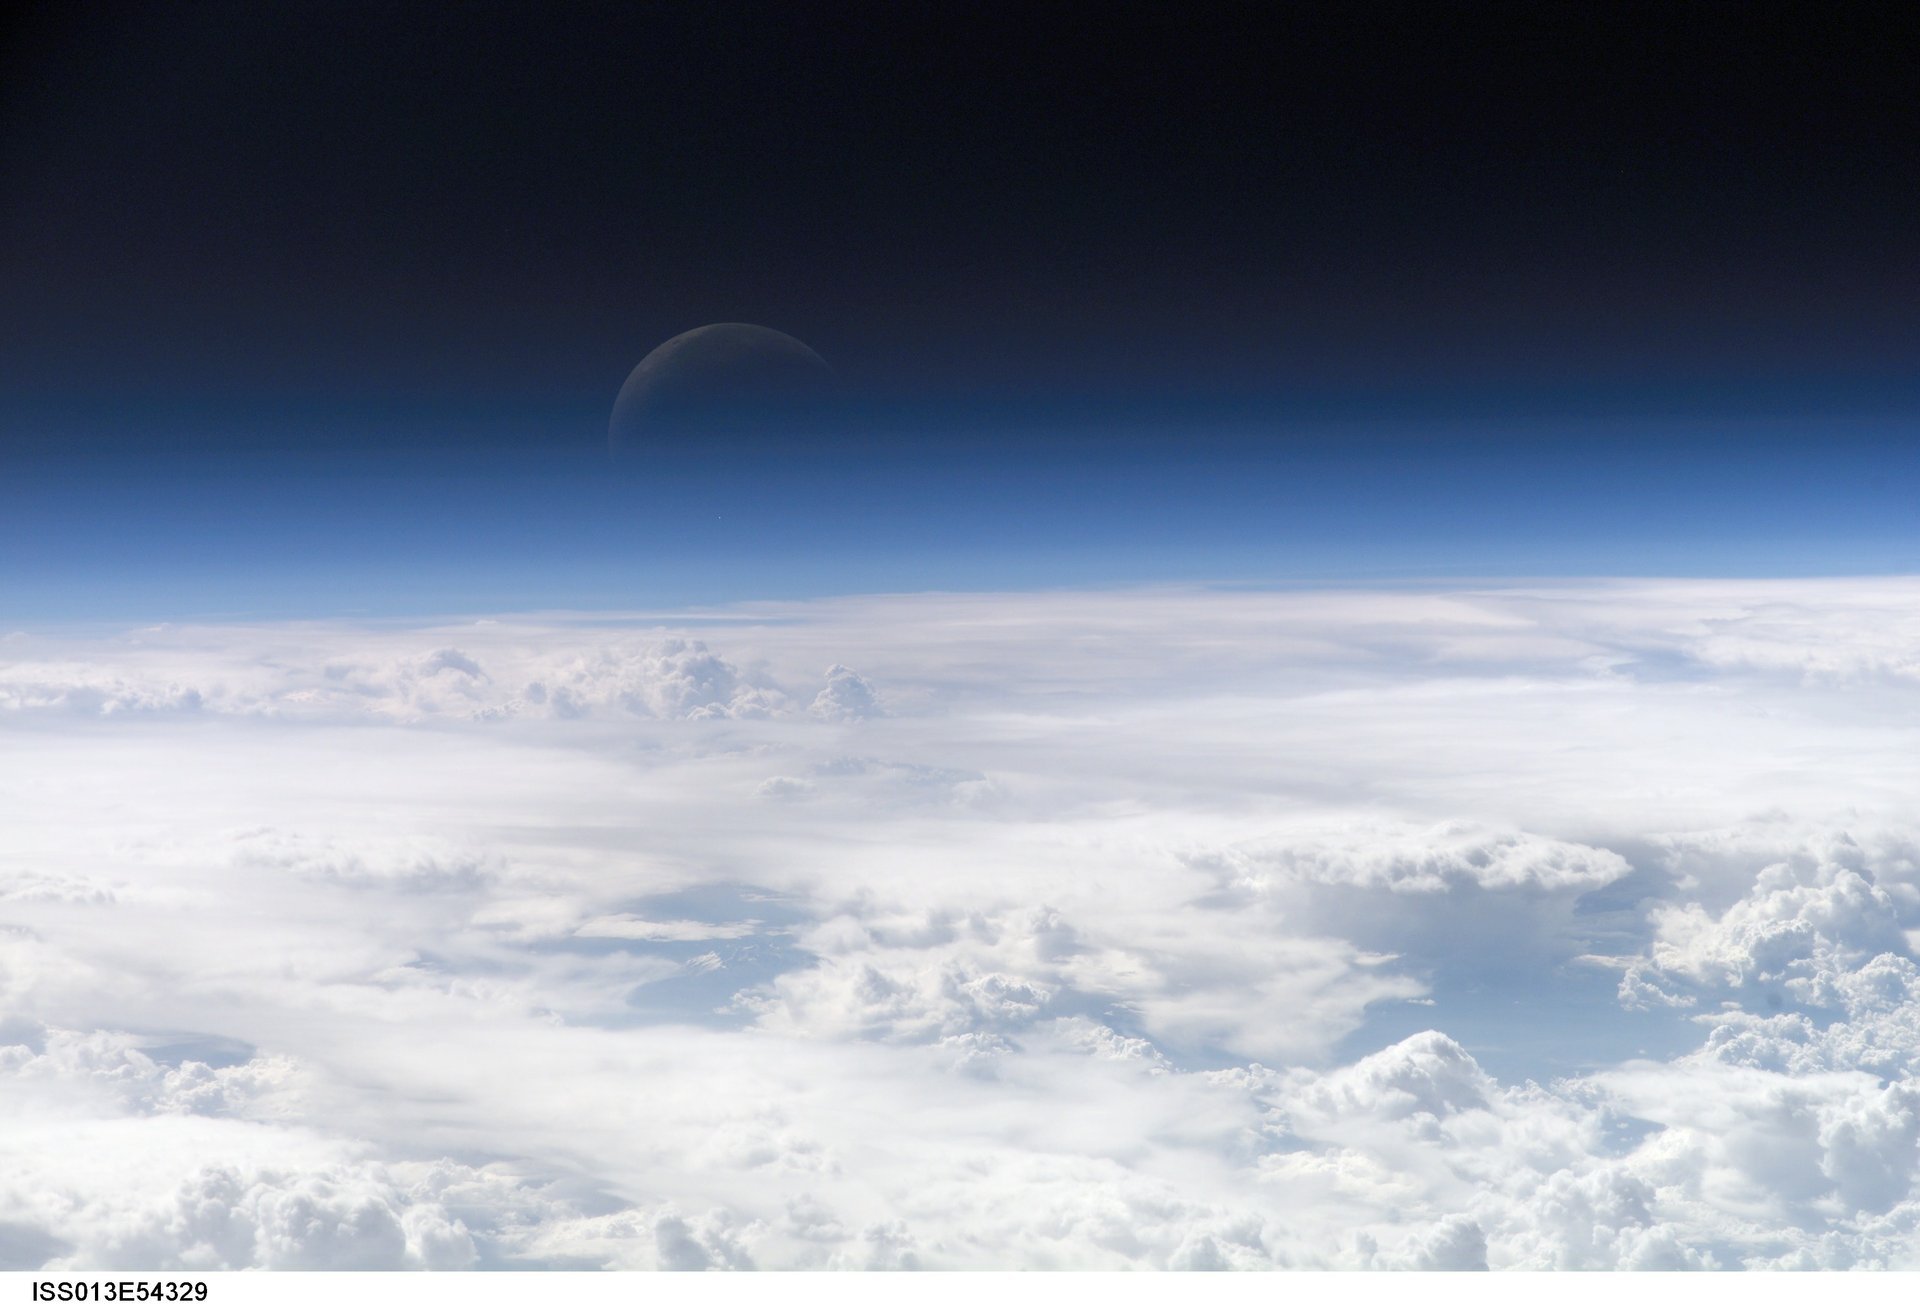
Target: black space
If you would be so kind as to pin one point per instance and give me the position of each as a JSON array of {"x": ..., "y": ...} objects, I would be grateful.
[{"x": 242, "y": 210}]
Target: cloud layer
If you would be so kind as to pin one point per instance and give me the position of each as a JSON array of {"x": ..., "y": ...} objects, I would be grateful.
[{"x": 1557, "y": 927}]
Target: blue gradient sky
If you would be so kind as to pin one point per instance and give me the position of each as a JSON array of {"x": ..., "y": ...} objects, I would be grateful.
[{"x": 551, "y": 524}]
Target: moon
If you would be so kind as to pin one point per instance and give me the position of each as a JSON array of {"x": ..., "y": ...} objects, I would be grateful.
[{"x": 725, "y": 384}]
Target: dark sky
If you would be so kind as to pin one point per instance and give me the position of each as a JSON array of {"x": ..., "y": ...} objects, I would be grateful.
[{"x": 232, "y": 213}]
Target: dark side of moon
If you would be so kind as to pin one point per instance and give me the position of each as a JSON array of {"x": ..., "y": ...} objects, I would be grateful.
[{"x": 725, "y": 386}]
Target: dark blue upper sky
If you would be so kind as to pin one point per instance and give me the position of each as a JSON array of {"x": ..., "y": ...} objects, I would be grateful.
[{"x": 323, "y": 306}]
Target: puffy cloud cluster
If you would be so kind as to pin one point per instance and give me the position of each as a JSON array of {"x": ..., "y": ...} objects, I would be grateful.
[
  {"x": 847, "y": 697},
  {"x": 1801, "y": 930},
  {"x": 114, "y": 1068},
  {"x": 670, "y": 679},
  {"x": 983, "y": 982},
  {"x": 224, "y": 1218},
  {"x": 1557, "y": 928},
  {"x": 90, "y": 691},
  {"x": 1407, "y": 860},
  {"x": 491, "y": 674}
]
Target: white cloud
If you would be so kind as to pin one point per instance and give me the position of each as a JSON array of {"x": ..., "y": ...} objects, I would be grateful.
[
  {"x": 1130, "y": 930},
  {"x": 627, "y": 926},
  {"x": 846, "y": 697},
  {"x": 1433, "y": 860}
]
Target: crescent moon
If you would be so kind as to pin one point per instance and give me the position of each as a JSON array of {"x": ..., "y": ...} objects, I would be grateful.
[{"x": 725, "y": 383}]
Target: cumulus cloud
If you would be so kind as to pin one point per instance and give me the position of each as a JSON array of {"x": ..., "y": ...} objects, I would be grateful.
[
  {"x": 1433, "y": 860},
  {"x": 89, "y": 691},
  {"x": 1554, "y": 927},
  {"x": 846, "y": 697},
  {"x": 1802, "y": 930},
  {"x": 349, "y": 675}
]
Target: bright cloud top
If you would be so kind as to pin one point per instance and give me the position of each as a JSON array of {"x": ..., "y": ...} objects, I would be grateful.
[{"x": 1553, "y": 927}]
